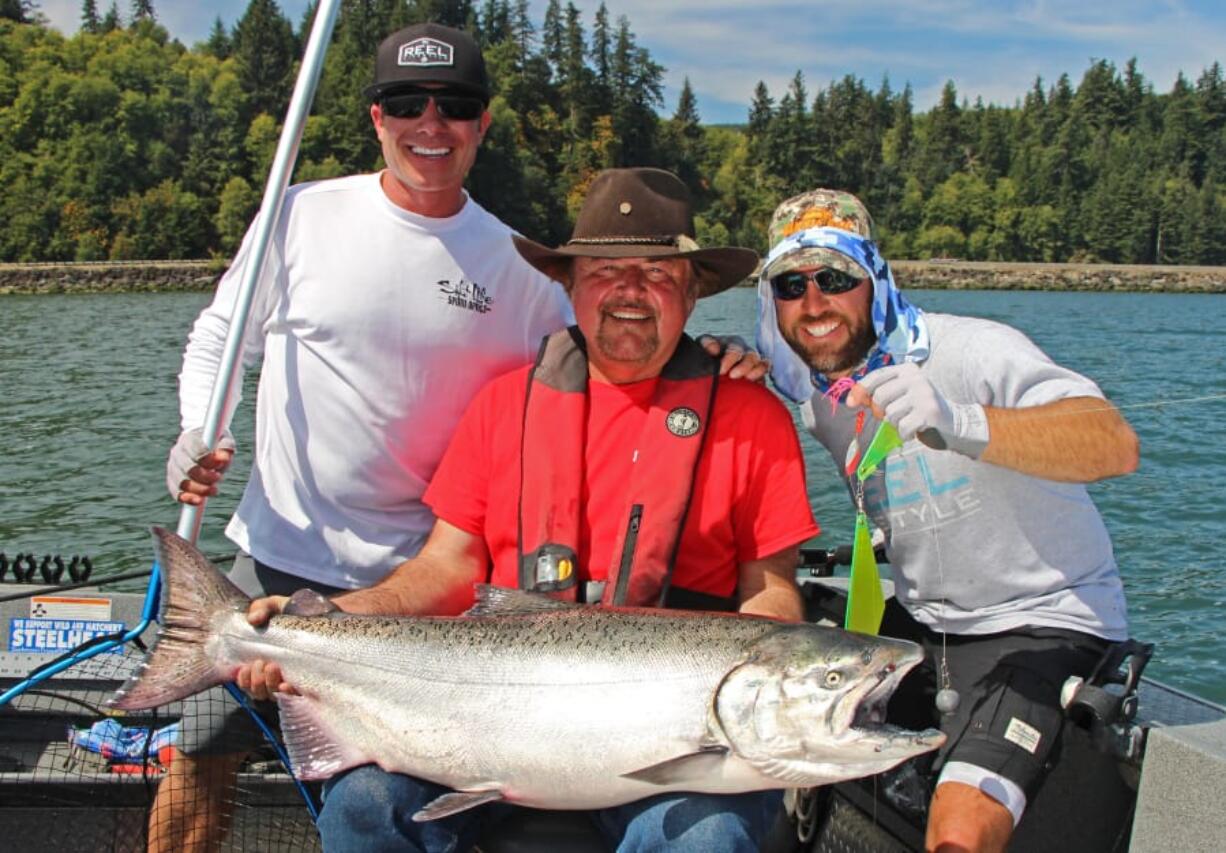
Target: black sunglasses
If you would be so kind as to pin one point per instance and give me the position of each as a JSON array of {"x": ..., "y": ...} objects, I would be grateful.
[
  {"x": 791, "y": 284},
  {"x": 450, "y": 106}
]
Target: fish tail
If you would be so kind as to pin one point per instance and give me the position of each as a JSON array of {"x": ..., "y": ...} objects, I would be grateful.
[{"x": 193, "y": 593}]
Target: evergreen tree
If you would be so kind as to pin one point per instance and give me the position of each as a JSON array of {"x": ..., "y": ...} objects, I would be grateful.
[
  {"x": 574, "y": 78},
  {"x": 1211, "y": 98},
  {"x": 495, "y": 23},
  {"x": 15, "y": 10},
  {"x": 453, "y": 13},
  {"x": 636, "y": 92},
  {"x": 553, "y": 36},
  {"x": 111, "y": 20},
  {"x": 218, "y": 43},
  {"x": 761, "y": 113},
  {"x": 789, "y": 148},
  {"x": 1135, "y": 92},
  {"x": 942, "y": 152},
  {"x": 1182, "y": 140},
  {"x": 993, "y": 153},
  {"x": 522, "y": 29},
  {"x": 1101, "y": 99},
  {"x": 601, "y": 53},
  {"x": 90, "y": 22},
  {"x": 686, "y": 115},
  {"x": 307, "y": 21},
  {"x": 684, "y": 145},
  {"x": 142, "y": 10},
  {"x": 265, "y": 50},
  {"x": 900, "y": 139}
]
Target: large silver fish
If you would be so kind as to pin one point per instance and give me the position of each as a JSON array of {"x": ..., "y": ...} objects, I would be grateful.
[{"x": 541, "y": 703}]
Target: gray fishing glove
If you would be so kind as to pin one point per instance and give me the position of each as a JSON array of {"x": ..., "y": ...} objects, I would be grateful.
[
  {"x": 187, "y": 451},
  {"x": 917, "y": 409}
]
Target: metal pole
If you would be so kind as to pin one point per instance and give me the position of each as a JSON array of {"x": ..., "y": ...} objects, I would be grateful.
[{"x": 266, "y": 225}]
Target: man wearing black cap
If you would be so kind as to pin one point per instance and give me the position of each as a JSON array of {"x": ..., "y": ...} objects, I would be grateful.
[
  {"x": 618, "y": 469},
  {"x": 387, "y": 301}
]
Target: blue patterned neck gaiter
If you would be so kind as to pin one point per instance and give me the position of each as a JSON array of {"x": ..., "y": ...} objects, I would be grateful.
[{"x": 901, "y": 332}]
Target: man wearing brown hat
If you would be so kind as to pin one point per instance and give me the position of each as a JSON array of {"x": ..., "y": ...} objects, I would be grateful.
[
  {"x": 1001, "y": 563},
  {"x": 617, "y": 469},
  {"x": 387, "y": 301}
]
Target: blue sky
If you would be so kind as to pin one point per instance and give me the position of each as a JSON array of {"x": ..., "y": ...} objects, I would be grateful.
[{"x": 989, "y": 49}]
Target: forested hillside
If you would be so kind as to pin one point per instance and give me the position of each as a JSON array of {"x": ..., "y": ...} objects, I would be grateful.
[{"x": 119, "y": 142}]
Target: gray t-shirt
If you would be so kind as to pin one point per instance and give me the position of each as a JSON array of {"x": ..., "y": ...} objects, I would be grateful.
[{"x": 975, "y": 548}]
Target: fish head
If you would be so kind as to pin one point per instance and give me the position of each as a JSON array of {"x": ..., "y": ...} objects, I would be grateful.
[{"x": 807, "y": 705}]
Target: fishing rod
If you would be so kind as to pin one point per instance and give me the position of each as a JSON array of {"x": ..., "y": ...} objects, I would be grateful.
[{"x": 228, "y": 368}]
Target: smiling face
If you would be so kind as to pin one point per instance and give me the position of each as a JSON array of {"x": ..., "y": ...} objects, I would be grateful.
[
  {"x": 632, "y": 311},
  {"x": 831, "y": 332},
  {"x": 427, "y": 158}
]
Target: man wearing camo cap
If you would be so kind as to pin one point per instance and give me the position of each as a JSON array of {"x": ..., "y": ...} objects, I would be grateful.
[{"x": 996, "y": 550}]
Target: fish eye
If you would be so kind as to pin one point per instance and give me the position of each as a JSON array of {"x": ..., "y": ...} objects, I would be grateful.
[{"x": 833, "y": 678}]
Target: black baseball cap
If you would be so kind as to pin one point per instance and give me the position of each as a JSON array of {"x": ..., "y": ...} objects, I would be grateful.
[{"x": 429, "y": 53}]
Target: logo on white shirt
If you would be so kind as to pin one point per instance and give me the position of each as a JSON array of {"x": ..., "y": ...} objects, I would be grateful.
[{"x": 466, "y": 294}]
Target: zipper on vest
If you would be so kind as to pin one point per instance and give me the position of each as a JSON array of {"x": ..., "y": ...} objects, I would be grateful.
[{"x": 627, "y": 560}]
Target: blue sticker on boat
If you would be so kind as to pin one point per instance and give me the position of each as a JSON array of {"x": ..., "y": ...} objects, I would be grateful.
[{"x": 56, "y": 636}]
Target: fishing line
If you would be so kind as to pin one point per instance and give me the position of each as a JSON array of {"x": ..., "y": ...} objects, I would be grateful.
[
  {"x": 1153, "y": 404},
  {"x": 1176, "y": 401},
  {"x": 947, "y": 699}
]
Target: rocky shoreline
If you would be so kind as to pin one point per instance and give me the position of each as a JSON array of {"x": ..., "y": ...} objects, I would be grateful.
[
  {"x": 980, "y": 275},
  {"x": 157, "y": 276},
  {"x": 110, "y": 277}
]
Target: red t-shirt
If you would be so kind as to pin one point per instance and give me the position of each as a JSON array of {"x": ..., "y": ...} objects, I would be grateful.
[{"x": 749, "y": 498}]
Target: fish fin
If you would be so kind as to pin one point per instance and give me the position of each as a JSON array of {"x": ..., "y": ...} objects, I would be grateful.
[
  {"x": 454, "y": 803},
  {"x": 796, "y": 773},
  {"x": 308, "y": 602},
  {"x": 314, "y": 752},
  {"x": 193, "y": 592},
  {"x": 498, "y": 600},
  {"x": 683, "y": 768}
]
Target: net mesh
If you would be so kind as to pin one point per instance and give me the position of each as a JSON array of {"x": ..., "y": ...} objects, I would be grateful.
[{"x": 73, "y": 778}]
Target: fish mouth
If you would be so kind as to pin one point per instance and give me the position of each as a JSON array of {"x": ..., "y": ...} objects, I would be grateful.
[{"x": 868, "y": 720}]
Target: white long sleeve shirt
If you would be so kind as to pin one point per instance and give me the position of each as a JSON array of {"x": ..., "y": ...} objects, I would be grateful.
[{"x": 376, "y": 327}]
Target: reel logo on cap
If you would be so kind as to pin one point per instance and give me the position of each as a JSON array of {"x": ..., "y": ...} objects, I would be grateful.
[{"x": 424, "y": 52}]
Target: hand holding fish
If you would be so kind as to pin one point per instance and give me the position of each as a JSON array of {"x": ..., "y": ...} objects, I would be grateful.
[
  {"x": 192, "y": 472},
  {"x": 259, "y": 678},
  {"x": 902, "y": 395}
]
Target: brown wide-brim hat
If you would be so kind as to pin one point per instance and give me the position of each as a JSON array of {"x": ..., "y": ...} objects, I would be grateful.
[{"x": 641, "y": 213}]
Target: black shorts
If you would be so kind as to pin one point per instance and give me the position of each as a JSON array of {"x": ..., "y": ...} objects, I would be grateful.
[
  {"x": 1009, "y": 718},
  {"x": 213, "y": 723}
]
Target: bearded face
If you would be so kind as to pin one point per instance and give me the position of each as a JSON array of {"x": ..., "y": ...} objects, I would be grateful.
[{"x": 831, "y": 332}]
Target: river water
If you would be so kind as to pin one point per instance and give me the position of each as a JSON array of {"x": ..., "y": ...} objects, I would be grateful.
[{"x": 88, "y": 411}]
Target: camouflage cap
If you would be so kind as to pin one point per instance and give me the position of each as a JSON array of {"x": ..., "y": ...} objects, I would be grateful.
[{"x": 817, "y": 209}]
